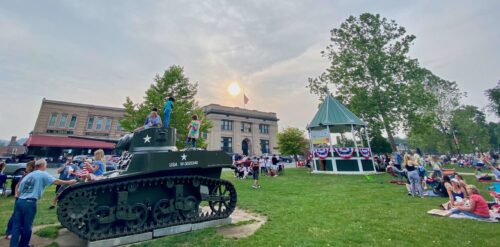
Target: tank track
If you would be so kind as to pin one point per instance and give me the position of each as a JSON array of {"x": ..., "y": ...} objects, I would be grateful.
[{"x": 80, "y": 213}]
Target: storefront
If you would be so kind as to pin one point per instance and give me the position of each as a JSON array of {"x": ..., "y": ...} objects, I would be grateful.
[{"x": 56, "y": 146}]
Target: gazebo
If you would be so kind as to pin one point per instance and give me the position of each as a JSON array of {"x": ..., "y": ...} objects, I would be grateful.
[{"x": 336, "y": 141}]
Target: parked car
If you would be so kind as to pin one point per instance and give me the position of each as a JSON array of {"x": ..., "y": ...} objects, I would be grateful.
[
  {"x": 15, "y": 169},
  {"x": 111, "y": 166}
]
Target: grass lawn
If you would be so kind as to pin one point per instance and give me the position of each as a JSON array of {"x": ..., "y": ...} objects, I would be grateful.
[{"x": 327, "y": 210}]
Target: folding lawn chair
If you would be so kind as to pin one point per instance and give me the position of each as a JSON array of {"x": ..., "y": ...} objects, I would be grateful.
[{"x": 396, "y": 173}]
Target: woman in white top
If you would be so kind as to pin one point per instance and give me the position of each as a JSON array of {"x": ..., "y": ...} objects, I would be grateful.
[{"x": 262, "y": 164}]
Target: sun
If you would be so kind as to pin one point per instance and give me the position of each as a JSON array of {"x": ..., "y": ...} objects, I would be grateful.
[{"x": 234, "y": 89}]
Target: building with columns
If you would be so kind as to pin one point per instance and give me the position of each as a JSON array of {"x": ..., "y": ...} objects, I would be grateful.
[{"x": 237, "y": 130}]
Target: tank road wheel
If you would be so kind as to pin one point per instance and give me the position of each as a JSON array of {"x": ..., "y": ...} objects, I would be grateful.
[
  {"x": 96, "y": 225},
  {"x": 220, "y": 199},
  {"x": 191, "y": 206},
  {"x": 74, "y": 210},
  {"x": 140, "y": 212},
  {"x": 163, "y": 211}
]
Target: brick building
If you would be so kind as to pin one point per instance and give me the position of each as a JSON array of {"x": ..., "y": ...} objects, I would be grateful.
[{"x": 72, "y": 128}]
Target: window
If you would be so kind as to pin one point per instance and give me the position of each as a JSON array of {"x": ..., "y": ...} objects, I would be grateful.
[
  {"x": 264, "y": 146},
  {"x": 119, "y": 127},
  {"x": 226, "y": 125},
  {"x": 246, "y": 127},
  {"x": 98, "y": 125},
  {"x": 62, "y": 121},
  {"x": 52, "y": 120},
  {"x": 108, "y": 123},
  {"x": 226, "y": 144},
  {"x": 264, "y": 128},
  {"x": 90, "y": 123},
  {"x": 72, "y": 122}
]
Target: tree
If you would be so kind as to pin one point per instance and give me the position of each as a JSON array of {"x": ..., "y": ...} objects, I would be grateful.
[
  {"x": 493, "y": 95},
  {"x": 380, "y": 145},
  {"x": 291, "y": 141},
  {"x": 433, "y": 132},
  {"x": 494, "y": 135},
  {"x": 173, "y": 83},
  {"x": 373, "y": 74},
  {"x": 471, "y": 128}
]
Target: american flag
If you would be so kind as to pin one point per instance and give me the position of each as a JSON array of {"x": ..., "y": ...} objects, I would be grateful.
[{"x": 81, "y": 172}]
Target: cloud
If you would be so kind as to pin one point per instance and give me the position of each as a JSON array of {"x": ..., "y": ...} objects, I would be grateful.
[{"x": 101, "y": 52}]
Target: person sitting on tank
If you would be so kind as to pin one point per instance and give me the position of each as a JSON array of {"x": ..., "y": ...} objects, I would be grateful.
[
  {"x": 97, "y": 168},
  {"x": 152, "y": 120}
]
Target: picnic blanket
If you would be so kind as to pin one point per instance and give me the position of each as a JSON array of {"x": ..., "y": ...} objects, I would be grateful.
[{"x": 446, "y": 213}]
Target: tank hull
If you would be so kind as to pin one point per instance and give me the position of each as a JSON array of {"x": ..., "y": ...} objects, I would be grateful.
[{"x": 137, "y": 203}]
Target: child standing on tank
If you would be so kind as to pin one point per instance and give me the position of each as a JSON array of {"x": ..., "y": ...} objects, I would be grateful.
[
  {"x": 167, "y": 109},
  {"x": 193, "y": 131}
]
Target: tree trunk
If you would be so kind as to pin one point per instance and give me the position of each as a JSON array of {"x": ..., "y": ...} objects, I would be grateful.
[
  {"x": 390, "y": 136},
  {"x": 391, "y": 139}
]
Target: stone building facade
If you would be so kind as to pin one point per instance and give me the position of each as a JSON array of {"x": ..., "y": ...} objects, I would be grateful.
[{"x": 237, "y": 130}]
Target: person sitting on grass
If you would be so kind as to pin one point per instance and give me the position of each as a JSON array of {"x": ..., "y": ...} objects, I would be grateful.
[
  {"x": 436, "y": 167},
  {"x": 455, "y": 193},
  {"x": 477, "y": 208}
]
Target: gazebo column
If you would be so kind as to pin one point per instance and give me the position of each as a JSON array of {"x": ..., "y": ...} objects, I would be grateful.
[
  {"x": 334, "y": 162},
  {"x": 311, "y": 149},
  {"x": 360, "y": 166}
]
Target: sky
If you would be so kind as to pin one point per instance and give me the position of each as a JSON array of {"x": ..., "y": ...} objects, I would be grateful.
[{"x": 99, "y": 52}]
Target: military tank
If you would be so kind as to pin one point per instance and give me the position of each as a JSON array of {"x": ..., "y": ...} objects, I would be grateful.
[{"x": 160, "y": 187}]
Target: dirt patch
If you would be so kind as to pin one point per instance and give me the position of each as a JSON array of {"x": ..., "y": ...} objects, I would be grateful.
[{"x": 239, "y": 228}]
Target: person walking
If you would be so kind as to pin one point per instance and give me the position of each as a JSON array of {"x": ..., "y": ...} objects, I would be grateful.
[
  {"x": 414, "y": 178},
  {"x": 30, "y": 190},
  {"x": 167, "y": 109},
  {"x": 255, "y": 173}
]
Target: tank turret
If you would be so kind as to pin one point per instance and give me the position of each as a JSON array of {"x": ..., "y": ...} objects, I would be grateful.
[{"x": 160, "y": 187}]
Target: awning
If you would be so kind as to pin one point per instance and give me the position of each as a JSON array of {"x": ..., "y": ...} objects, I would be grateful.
[{"x": 66, "y": 142}]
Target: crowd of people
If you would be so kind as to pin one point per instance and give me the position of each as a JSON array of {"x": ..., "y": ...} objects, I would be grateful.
[
  {"x": 246, "y": 166},
  {"x": 463, "y": 198}
]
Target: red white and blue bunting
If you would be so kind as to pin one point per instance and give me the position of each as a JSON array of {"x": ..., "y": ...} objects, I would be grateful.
[
  {"x": 365, "y": 152},
  {"x": 345, "y": 153},
  {"x": 322, "y": 152}
]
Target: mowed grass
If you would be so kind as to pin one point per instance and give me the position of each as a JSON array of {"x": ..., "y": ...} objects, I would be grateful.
[
  {"x": 44, "y": 215},
  {"x": 326, "y": 210},
  {"x": 334, "y": 210}
]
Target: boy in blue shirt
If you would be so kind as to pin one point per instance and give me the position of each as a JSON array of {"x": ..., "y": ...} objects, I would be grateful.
[
  {"x": 167, "y": 109},
  {"x": 30, "y": 190}
]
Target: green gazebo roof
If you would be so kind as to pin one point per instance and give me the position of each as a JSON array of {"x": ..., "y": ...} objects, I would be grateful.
[{"x": 332, "y": 112}]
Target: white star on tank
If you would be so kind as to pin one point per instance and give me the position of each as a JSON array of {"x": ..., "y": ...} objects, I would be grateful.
[{"x": 147, "y": 139}]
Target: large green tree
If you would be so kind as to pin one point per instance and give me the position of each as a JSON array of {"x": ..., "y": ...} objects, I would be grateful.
[
  {"x": 373, "y": 74},
  {"x": 432, "y": 133},
  {"x": 291, "y": 141},
  {"x": 493, "y": 95},
  {"x": 173, "y": 83},
  {"x": 471, "y": 128}
]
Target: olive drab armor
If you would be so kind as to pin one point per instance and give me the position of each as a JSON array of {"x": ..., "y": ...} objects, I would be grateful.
[{"x": 160, "y": 187}]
